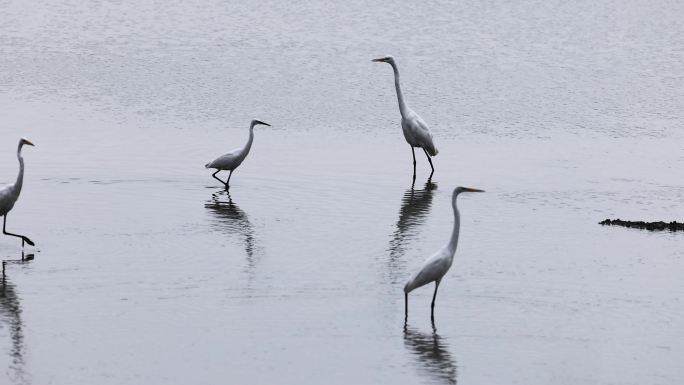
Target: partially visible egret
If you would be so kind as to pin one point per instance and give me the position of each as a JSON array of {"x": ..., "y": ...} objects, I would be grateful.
[
  {"x": 436, "y": 266},
  {"x": 10, "y": 193},
  {"x": 233, "y": 159},
  {"x": 416, "y": 131}
]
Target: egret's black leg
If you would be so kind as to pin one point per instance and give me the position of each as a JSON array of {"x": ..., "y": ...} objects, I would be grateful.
[
  {"x": 23, "y": 238},
  {"x": 432, "y": 306},
  {"x": 414, "y": 163},
  {"x": 429, "y": 160},
  {"x": 219, "y": 179},
  {"x": 405, "y": 308},
  {"x": 228, "y": 181}
]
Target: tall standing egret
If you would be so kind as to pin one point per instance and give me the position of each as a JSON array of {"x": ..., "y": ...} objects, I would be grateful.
[
  {"x": 438, "y": 264},
  {"x": 233, "y": 159},
  {"x": 10, "y": 193},
  {"x": 416, "y": 131}
]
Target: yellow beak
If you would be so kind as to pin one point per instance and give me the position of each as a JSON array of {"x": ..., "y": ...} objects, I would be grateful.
[{"x": 472, "y": 189}]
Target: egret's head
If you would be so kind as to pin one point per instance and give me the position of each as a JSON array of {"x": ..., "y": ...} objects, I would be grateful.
[
  {"x": 461, "y": 189},
  {"x": 386, "y": 59},
  {"x": 255, "y": 122},
  {"x": 24, "y": 141}
]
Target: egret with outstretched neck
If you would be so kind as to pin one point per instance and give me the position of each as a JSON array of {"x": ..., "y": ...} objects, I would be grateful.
[
  {"x": 416, "y": 131},
  {"x": 436, "y": 266},
  {"x": 10, "y": 193},
  {"x": 231, "y": 160}
]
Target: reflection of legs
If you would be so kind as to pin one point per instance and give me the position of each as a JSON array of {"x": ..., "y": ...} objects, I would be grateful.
[
  {"x": 414, "y": 162},
  {"x": 23, "y": 238},
  {"x": 432, "y": 306},
  {"x": 429, "y": 160}
]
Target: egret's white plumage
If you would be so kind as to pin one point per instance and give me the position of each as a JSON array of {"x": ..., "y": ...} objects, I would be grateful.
[
  {"x": 436, "y": 266},
  {"x": 10, "y": 193},
  {"x": 231, "y": 160},
  {"x": 416, "y": 131}
]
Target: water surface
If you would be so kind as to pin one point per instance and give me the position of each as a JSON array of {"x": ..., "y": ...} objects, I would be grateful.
[{"x": 146, "y": 271}]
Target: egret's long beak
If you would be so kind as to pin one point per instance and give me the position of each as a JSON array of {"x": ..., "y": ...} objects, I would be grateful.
[
  {"x": 29, "y": 143},
  {"x": 379, "y": 59},
  {"x": 468, "y": 189},
  {"x": 260, "y": 122}
]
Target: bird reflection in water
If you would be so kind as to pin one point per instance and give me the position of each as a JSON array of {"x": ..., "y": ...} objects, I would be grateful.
[
  {"x": 10, "y": 316},
  {"x": 232, "y": 220},
  {"x": 415, "y": 207},
  {"x": 431, "y": 354}
]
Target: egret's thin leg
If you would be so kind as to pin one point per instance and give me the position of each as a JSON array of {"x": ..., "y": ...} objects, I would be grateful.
[
  {"x": 228, "y": 181},
  {"x": 405, "y": 308},
  {"x": 217, "y": 178},
  {"x": 23, "y": 238},
  {"x": 432, "y": 306},
  {"x": 414, "y": 162},
  {"x": 429, "y": 160}
]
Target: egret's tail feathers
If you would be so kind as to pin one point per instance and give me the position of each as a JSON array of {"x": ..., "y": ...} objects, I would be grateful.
[
  {"x": 207, "y": 165},
  {"x": 410, "y": 285},
  {"x": 432, "y": 150}
]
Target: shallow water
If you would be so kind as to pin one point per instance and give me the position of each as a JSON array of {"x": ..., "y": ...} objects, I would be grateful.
[{"x": 147, "y": 272}]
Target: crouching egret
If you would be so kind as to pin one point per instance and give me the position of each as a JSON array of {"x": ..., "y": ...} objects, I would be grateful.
[
  {"x": 10, "y": 193},
  {"x": 438, "y": 264},
  {"x": 233, "y": 159},
  {"x": 416, "y": 131}
]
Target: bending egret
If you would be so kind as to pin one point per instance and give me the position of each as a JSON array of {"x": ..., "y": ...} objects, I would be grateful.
[
  {"x": 10, "y": 193},
  {"x": 416, "y": 131},
  {"x": 233, "y": 159},
  {"x": 438, "y": 264}
]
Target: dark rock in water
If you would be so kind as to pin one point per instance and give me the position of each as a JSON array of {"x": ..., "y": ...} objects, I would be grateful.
[{"x": 653, "y": 226}]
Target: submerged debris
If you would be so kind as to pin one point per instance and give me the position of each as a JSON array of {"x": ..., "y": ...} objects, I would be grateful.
[{"x": 653, "y": 226}]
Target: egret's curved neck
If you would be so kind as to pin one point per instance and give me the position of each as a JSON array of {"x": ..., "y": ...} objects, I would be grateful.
[
  {"x": 453, "y": 242},
  {"x": 400, "y": 96},
  {"x": 249, "y": 141},
  {"x": 20, "y": 177}
]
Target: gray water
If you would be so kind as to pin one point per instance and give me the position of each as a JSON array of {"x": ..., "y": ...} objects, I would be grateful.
[{"x": 146, "y": 272}]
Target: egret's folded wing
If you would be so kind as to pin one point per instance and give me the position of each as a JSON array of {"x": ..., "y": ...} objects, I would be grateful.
[
  {"x": 431, "y": 270},
  {"x": 224, "y": 160},
  {"x": 421, "y": 132}
]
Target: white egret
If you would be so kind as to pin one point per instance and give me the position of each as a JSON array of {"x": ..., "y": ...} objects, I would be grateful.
[
  {"x": 416, "y": 131},
  {"x": 10, "y": 193},
  {"x": 436, "y": 266},
  {"x": 233, "y": 159}
]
